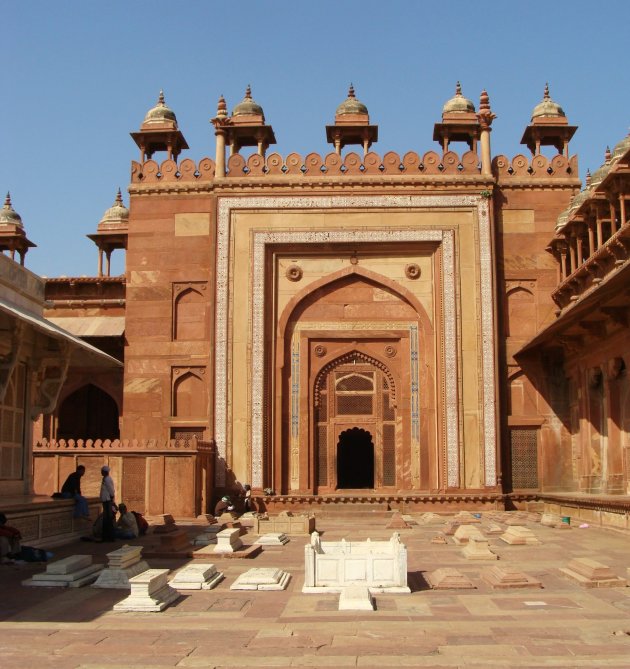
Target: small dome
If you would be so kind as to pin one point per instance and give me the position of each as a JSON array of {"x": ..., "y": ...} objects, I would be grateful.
[
  {"x": 160, "y": 113},
  {"x": 458, "y": 103},
  {"x": 8, "y": 215},
  {"x": 117, "y": 213},
  {"x": 547, "y": 108},
  {"x": 248, "y": 107},
  {"x": 351, "y": 105}
]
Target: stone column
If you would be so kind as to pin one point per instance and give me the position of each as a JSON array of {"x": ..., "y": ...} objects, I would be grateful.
[
  {"x": 219, "y": 171},
  {"x": 485, "y": 117}
]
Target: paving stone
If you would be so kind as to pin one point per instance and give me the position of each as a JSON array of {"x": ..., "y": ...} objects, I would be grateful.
[{"x": 356, "y": 598}]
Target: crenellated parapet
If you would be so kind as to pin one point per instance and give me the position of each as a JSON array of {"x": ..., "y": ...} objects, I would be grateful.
[
  {"x": 508, "y": 171},
  {"x": 312, "y": 165},
  {"x": 99, "y": 445}
]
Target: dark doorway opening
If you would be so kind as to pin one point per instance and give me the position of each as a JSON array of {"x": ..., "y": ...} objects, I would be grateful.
[
  {"x": 355, "y": 459},
  {"x": 88, "y": 413}
]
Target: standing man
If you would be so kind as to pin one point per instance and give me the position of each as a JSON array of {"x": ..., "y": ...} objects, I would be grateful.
[
  {"x": 108, "y": 493},
  {"x": 71, "y": 489}
]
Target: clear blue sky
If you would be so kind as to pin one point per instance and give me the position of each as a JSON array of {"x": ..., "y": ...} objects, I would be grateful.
[{"x": 78, "y": 76}]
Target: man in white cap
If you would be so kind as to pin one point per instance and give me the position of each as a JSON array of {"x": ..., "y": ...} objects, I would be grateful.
[
  {"x": 223, "y": 506},
  {"x": 108, "y": 493}
]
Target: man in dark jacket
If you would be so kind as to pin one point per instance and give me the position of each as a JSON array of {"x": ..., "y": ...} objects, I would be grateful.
[{"x": 71, "y": 489}]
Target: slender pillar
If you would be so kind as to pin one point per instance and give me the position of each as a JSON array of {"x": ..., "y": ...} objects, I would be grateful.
[
  {"x": 600, "y": 239},
  {"x": 622, "y": 209},
  {"x": 563, "y": 263},
  {"x": 613, "y": 219},
  {"x": 108, "y": 255},
  {"x": 485, "y": 117},
  {"x": 572, "y": 258},
  {"x": 580, "y": 253},
  {"x": 591, "y": 238},
  {"x": 100, "y": 262},
  {"x": 220, "y": 154}
]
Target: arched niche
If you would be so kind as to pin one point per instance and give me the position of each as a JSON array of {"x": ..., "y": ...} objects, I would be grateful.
[
  {"x": 88, "y": 413},
  {"x": 190, "y": 399},
  {"x": 520, "y": 313},
  {"x": 190, "y": 322}
]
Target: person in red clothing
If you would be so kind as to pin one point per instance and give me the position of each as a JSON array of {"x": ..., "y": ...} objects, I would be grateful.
[{"x": 9, "y": 540}]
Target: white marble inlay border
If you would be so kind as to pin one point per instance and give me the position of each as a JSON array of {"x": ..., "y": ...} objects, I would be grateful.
[{"x": 229, "y": 204}]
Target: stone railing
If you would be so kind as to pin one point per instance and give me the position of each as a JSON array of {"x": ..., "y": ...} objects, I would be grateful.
[
  {"x": 539, "y": 166},
  {"x": 609, "y": 257},
  {"x": 311, "y": 165},
  {"x": 153, "y": 476}
]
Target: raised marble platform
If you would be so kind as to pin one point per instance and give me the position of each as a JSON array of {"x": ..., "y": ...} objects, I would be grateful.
[
  {"x": 447, "y": 578},
  {"x": 123, "y": 564},
  {"x": 150, "y": 593},
  {"x": 592, "y": 574},
  {"x": 520, "y": 536},
  {"x": 71, "y": 572},
  {"x": 262, "y": 578},
  {"x": 273, "y": 539},
  {"x": 477, "y": 549},
  {"x": 197, "y": 576},
  {"x": 505, "y": 578},
  {"x": 466, "y": 532},
  {"x": 331, "y": 566},
  {"x": 285, "y": 523}
]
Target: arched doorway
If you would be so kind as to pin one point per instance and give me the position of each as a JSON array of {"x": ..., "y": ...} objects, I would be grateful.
[
  {"x": 88, "y": 413},
  {"x": 355, "y": 459}
]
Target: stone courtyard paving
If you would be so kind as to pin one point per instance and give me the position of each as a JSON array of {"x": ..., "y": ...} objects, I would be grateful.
[{"x": 560, "y": 625}]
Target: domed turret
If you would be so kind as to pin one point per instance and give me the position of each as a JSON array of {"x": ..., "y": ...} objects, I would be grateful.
[
  {"x": 12, "y": 234},
  {"x": 248, "y": 106},
  {"x": 549, "y": 127},
  {"x": 351, "y": 105},
  {"x": 160, "y": 114},
  {"x": 159, "y": 132},
  {"x": 459, "y": 122},
  {"x": 458, "y": 104},
  {"x": 8, "y": 215},
  {"x": 547, "y": 108},
  {"x": 117, "y": 214}
]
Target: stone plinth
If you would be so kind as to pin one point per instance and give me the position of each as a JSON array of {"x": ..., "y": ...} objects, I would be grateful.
[
  {"x": 466, "y": 532},
  {"x": 450, "y": 528},
  {"x": 431, "y": 519},
  {"x": 228, "y": 541},
  {"x": 520, "y": 536},
  {"x": 492, "y": 528},
  {"x": 591, "y": 574},
  {"x": 356, "y": 598},
  {"x": 285, "y": 524},
  {"x": 466, "y": 517},
  {"x": 331, "y": 566},
  {"x": 262, "y": 578},
  {"x": 163, "y": 524},
  {"x": 200, "y": 576},
  {"x": 273, "y": 539},
  {"x": 446, "y": 578},
  {"x": 149, "y": 592},
  {"x": 123, "y": 564},
  {"x": 243, "y": 553},
  {"x": 172, "y": 544},
  {"x": 397, "y": 522},
  {"x": 507, "y": 577},
  {"x": 439, "y": 539},
  {"x": 477, "y": 549},
  {"x": 71, "y": 572}
]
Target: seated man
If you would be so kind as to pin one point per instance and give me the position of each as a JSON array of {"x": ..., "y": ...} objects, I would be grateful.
[
  {"x": 9, "y": 540},
  {"x": 126, "y": 527},
  {"x": 71, "y": 489},
  {"x": 223, "y": 506}
]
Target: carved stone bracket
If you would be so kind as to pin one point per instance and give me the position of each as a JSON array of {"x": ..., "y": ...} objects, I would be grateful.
[
  {"x": 9, "y": 361},
  {"x": 45, "y": 387}
]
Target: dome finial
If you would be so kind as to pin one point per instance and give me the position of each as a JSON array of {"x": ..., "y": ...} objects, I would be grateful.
[
  {"x": 458, "y": 88},
  {"x": 118, "y": 198},
  {"x": 8, "y": 215},
  {"x": 588, "y": 178},
  {"x": 607, "y": 155},
  {"x": 7, "y": 201},
  {"x": 161, "y": 98},
  {"x": 221, "y": 107},
  {"x": 351, "y": 91},
  {"x": 546, "y": 95},
  {"x": 248, "y": 92}
]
